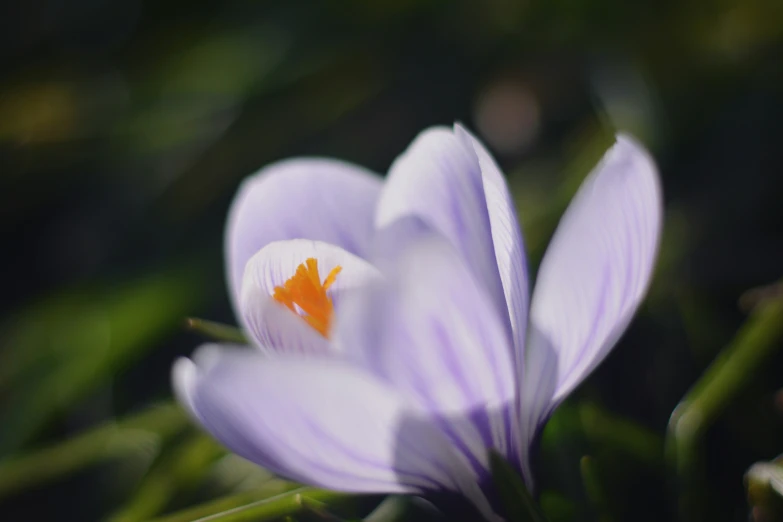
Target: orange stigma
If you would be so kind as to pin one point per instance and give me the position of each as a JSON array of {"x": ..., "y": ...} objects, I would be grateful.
[{"x": 305, "y": 290}]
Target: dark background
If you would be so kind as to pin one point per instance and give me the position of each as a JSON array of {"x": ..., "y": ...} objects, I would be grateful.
[{"x": 126, "y": 126}]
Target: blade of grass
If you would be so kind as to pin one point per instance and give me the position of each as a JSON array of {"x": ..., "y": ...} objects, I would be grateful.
[
  {"x": 64, "y": 347},
  {"x": 114, "y": 439},
  {"x": 180, "y": 470},
  {"x": 272, "y": 501},
  {"x": 594, "y": 487}
]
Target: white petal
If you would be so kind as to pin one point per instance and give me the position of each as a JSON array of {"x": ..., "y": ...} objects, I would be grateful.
[
  {"x": 432, "y": 331},
  {"x": 303, "y": 198},
  {"x": 320, "y": 422},
  {"x": 272, "y": 325},
  {"x": 593, "y": 276},
  {"x": 438, "y": 179},
  {"x": 507, "y": 241}
]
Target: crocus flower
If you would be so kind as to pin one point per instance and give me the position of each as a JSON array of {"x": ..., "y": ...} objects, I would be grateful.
[{"x": 397, "y": 340}]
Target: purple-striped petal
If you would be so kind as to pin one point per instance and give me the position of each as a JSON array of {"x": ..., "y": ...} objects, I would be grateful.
[
  {"x": 431, "y": 330},
  {"x": 391, "y": 241},
  {"x": 271, "y": 325},
  {"x": 593, "y": 276},
  {"x": 439, "y": 180},
  {"x": 507, "y": 241},
  {"x": 321, "y": 422},
  {"x": 307, "y": 198}
]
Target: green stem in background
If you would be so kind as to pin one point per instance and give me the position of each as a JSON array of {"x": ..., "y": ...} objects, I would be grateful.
[
  {"x": 216, "y": 331},
  {"x": 270, "y": 502},
  {"x": 594, "y": 487},
  {"x": 111, "y": 440},
  {"x": 734, "y": 367},
  {"x": 181, "y": 470},
  {"x": 602, "y": 427},
  {"x": 756, "y": 296}
]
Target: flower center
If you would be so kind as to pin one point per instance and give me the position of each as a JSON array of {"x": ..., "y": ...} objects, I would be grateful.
[{"x": 305, "y": 295}]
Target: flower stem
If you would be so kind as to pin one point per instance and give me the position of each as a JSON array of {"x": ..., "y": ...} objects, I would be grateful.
[
  {"x": 734, "y": 367},
  {"x": 216, "y": 331}
]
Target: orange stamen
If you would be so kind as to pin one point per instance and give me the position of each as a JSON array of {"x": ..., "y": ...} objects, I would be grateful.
[{"x": 305, "y": 290}]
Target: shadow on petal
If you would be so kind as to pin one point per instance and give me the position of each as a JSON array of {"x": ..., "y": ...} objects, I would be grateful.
[
  {"x": 473, "y": 496},
  {"x": 536, "y": 394}
]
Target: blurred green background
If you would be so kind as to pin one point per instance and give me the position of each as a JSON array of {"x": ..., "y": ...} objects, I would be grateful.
[{"x": 126, "y": 126}]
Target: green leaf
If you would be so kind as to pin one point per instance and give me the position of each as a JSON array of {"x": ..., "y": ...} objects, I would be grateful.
[
  {"x": 114, "y": 439},
  {"x": 271, "y": 502},
  {"x": 594, "y": 487},
  {"x": 65, "y": 346},
  {"x": 557, "y": 507},
  {"x": 393, "y": 508},
  {"x": 621, "y": 435},
  {"x": 181, "y": 469},
  {"x": 519, "y": 504}
]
